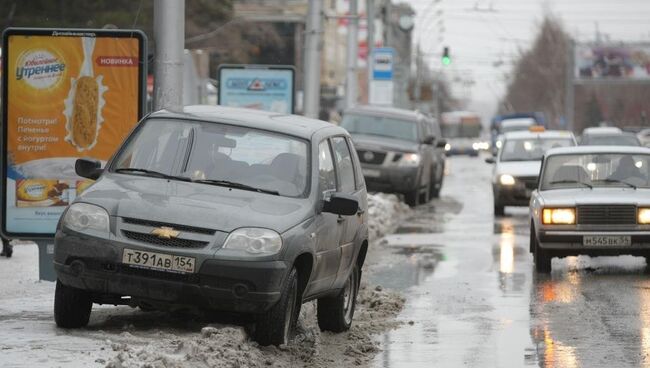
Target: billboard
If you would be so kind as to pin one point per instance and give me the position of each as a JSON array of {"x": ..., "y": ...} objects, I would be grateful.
[
  {"x": 261, "y": 87},
  {"x": 65, "y": 94},
  {"x": 624, "y": 62}
]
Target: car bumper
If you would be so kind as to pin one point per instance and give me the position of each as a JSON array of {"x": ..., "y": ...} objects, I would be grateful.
[
  {"x": 513, "y": 195},
  {"x": 571, "y": 242},
  {"x": 238, "y": 286},
  {"x": 390, "y": 179},
  {"x": 456, "y": 151}
]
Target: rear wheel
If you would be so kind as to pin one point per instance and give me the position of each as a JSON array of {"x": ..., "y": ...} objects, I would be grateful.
[
  {"x": 542, "y": 257},
  {"x": 71, "y": 306},
  {"x": 335, "y": 313},
  {"x": 276, "y": 325}
]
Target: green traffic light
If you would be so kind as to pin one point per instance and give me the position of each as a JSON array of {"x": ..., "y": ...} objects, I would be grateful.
[{"x": 446, "y": 60}]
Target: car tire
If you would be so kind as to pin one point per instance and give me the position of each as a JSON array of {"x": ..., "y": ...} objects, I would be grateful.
[
  {"x": 436, "y": 185},
  {"x": 72, "y": 306},
  {"x": 412, "y": 198},
  {"x": 542, "y": 258},
  {"x": 335, "y": 313},
  {"x": 531, "y": 242},
  {"x": 499, "y": 209},
  {"x": 274, "y": 327}
]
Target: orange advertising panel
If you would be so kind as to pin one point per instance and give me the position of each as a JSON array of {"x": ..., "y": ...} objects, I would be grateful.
[{"x": 66, "y": 94}]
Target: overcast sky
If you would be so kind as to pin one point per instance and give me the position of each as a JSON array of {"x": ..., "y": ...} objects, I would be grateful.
[{"x": 485, "y": 36}]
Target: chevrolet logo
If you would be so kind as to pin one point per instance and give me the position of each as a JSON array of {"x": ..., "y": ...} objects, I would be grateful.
[{"x": 165, "y": 232}]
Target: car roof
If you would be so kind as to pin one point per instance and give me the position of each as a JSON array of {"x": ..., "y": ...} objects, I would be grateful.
[
  {"x": 295, "y": 125},
  {"x": 597, "y": 150},
  {"x": 602, "y": 130},
  {"x": 383, "y": 111},
  {"x": 523, "y": 134}
]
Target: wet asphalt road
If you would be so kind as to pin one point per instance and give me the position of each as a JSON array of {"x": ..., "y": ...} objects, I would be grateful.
[{"x": 474, "y": 300}]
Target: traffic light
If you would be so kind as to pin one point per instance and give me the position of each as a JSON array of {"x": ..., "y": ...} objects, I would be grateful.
[{"x": 446, "y": 60}]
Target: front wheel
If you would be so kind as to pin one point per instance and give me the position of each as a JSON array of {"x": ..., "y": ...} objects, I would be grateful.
[
  {"x": 276, "y": 325},
  {"x": 412, "y": 198},
  {"x": 499, "y": 209},
  {"x": 541, "y": 257},
  {"x": 335, "y": 313},
  {"x": 71, "y": 306}
]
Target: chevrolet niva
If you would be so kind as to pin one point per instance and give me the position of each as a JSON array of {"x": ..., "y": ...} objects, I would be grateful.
[{"x": 221, "y": 209}]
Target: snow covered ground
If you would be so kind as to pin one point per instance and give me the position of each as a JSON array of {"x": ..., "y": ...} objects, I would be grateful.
[{"x": 126, "y": 337}]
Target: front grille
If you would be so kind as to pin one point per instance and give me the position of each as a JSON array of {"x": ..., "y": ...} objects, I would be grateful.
[
  {"x": 173, "y": 242},
  {"x": 529, "y": 181},
  {"x": 183, "y": 228},
  {"x": 376, "y": 159},
  {"x": 606, "y": 215}
]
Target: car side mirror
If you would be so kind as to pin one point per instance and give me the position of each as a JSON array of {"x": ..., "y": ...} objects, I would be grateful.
[
  {"x": 341, "y": 204},
  {"x": 429, "y": 139},
  {"x": 441, "y": 143},
  {"x": 88, "y": 168},
  {"x": 490, "y": 160}
]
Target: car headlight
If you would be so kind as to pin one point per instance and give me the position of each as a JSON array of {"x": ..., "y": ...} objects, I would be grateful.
[
  {"x": 559, "y": 216},
  {"x": 410, "y": 159},
  {"x": 643, "y": 216},
  {"x": 254, "y": 240},
  {"x": 84, "y": 217},
  {"x": 447, "y": 147},
  {"x": 507, "y": 179},
  {"x": 476, "y": 146},
  {"x": 499, "y": 144}
]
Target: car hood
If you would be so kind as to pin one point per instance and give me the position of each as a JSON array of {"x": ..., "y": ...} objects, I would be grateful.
[
  {"x": 586, "y": 196},
  {"x": 373, "y": 142},
  {"x": 195, "y": 204},
  {"x": 519, "y": 168}
]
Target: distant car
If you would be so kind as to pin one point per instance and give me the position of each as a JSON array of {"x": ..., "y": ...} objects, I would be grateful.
[
  {"x": 401, "y": 151},
  {"x": 517, "y": 165},
  {"x": 219, "y": 208},
  {"x": 511, "y": 125},
  {"x": 591, "y": 201},
  {"x": 608, "y": 136}
]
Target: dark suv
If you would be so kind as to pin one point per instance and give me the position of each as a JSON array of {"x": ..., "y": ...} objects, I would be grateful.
[
  {"x": 401, "y": 151},
  {"x": 219, "y": 208}
]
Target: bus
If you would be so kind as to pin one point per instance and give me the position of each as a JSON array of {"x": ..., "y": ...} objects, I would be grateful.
[{"x": 462, "y": 130}]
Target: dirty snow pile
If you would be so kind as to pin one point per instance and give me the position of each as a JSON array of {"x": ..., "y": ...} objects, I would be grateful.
[
  {"x": 384, "y": 211},
  {"x": 230, "y": 346}
]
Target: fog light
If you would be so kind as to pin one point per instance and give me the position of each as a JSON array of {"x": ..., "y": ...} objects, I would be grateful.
[{"x": 559, "y": 216}]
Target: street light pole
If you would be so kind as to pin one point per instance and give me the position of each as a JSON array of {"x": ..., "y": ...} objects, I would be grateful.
[
  {"x": 370, "y": 19},
  {"x": 352, "y": 55},
  {"x": 169, "y": 36},
  {"x": 312, "y": 59}
]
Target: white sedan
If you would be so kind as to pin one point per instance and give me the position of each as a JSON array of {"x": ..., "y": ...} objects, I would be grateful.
[{"x": 591, "y": 200}]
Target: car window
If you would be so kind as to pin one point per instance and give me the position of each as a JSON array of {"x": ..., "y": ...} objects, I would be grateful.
[
  {"x": 344, "y": 165},
  {"x": 326, "y": 173},
  {"x": 381, "y": 126},
  {"x": 357, "y": 166},
  {"x": 584, "y": 170},
  {"x": 611, "y": 140},
  {"x": 531, "y": 149},
  {"x": 252, "y": 157}
]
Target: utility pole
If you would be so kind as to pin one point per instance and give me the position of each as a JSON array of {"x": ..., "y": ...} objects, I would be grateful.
[
  {"x": 312, "y": 59},
  {"x": 352, "y": 55},
  {"x": 370, "y": 16},
  {"x": 169, "y": 35},
  {"x": 418, "y": 77}
]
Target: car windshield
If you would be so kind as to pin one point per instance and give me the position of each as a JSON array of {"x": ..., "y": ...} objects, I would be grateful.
[
  {"x": 214, "y": 153},
  {"x": 596, "y": 170},
  {"x": 611, "y": 140},
  {"x": 516, "y": 125},
  {"x": 382, "y": 126},
  {"x": 531, "y": 149}
]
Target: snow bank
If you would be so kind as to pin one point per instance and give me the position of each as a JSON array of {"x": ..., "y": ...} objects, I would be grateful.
[{"x": 384, "y": 211}]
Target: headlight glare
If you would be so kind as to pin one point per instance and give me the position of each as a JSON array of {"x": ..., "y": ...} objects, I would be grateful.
[
  {"x": 643, "y": 216},
  {"x": 559, "y": 216},
  {"x": 507, "y": 179},
  {"x": 410, "y": 159},
  {"x": 254, "y": 240},
  {"x": 82, "y": 217}
]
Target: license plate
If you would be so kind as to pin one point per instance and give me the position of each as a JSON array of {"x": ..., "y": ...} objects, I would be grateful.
[
  {"x": 371, "y": 173},
  {"x": 158, "y": 261},
  {"x": 607, "y": 241}
]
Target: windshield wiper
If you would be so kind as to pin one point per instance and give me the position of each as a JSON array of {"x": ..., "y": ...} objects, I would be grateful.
[
  {"x": 572, "y": 182},
  {"x": 151, "y": 173},
  {"x": 232, "y": 184},
  {"x": 618, "y": 181}
]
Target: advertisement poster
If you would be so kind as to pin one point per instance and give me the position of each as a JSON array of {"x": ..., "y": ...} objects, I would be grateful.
[
  {"x": 261, "y": 87},
  {"x": 625, "y": 61},
  {"x": 66, "y": 94}
]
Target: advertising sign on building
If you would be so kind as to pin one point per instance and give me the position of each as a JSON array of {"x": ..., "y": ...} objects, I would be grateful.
[
  {"x": 624, "y": 62},
  {"x": 381, "y": 85},
  {"x": 262, "y": 87},
  {"x": 66, "y": 94}
]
